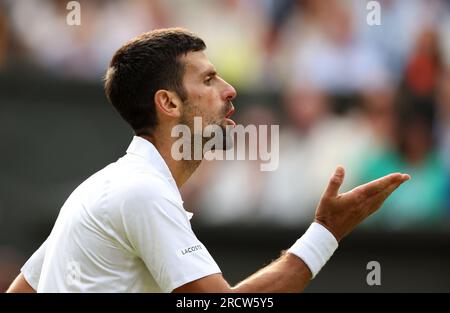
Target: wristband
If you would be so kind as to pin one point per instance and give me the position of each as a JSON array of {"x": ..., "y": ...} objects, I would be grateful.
[{"x": 315, "y": 247}]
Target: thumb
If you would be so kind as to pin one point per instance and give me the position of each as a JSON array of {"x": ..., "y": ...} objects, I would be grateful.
[{"x": 335, "y": 182}]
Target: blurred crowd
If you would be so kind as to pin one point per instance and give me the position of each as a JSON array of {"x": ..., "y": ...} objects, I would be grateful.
[{"x": 375, "y": 99}]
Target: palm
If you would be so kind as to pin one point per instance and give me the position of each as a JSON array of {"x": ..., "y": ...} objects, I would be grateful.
[{"x": 342, "y": 212}]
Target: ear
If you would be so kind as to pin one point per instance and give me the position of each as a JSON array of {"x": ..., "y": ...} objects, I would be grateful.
[{"x": 168, "y": 103}]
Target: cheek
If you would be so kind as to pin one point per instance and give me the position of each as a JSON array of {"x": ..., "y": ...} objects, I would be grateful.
[
  {"x": 210, "y": 116},
  {"x": 210, "y": 105}
]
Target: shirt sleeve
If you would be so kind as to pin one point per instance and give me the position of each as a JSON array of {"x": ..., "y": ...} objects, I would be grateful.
[
  {"x": 31, "y": 270},
  {"x": 159, "y": 230}
]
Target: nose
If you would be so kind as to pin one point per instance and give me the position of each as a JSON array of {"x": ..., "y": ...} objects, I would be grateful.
[{"x": 229, "y": 93}]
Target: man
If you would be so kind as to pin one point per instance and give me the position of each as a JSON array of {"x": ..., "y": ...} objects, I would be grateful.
[{"x": 125, "y": 229}]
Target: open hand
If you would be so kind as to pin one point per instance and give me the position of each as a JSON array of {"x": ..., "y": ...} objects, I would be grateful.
[{"x": 341, "y": 213}]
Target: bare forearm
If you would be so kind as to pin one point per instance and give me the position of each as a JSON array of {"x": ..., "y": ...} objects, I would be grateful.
[
  {"x": 336, "y": 216},
  {"x": 287, "y": 274}
]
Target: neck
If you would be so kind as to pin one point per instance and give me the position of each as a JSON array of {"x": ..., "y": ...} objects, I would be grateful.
[{"x": 181, "y": 170}]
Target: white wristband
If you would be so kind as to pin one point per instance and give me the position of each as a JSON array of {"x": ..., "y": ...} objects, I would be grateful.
[{"x": 315, "y": 247}]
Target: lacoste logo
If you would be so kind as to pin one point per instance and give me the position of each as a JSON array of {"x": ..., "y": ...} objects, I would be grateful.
[{"x": 191, "y": 249}]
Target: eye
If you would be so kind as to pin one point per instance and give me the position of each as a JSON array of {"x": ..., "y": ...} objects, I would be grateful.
[{"x": 208, "y": 80}]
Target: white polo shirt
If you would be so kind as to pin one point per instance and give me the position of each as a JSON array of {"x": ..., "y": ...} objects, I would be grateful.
[{"x": 124, "y": 229}]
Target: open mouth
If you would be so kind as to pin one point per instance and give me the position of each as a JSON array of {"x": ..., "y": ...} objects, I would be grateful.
[{"x": 227, "y": 117}]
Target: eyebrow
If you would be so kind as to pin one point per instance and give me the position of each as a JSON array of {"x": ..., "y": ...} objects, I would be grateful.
[{"x": 209, "y": 72}]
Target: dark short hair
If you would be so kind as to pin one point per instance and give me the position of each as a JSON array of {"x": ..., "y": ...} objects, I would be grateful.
[{"x": 144, "y": 65}]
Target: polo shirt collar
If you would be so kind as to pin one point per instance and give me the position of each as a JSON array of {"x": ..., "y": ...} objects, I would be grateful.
[{"x": 145, "y": 149}]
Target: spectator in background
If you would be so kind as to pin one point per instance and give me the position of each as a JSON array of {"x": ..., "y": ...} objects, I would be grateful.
[
  {"x": 401, "y": 22},
  {"x": 442, "y": 126},
  {"x": 443, "y": 117},
  {"x": 312, "y": 140},
  {"x": 377, "y": 107},
  {"x": 424, "y": 65},
  {"x": 423, "y": 202},
  {"x": 406, "y": 133},
  {"x": 332, "y": 56},
  {"x": 305, "y": 110},
  {"x": 80, "y": 51},
  {"x": 233, "y": 25}
]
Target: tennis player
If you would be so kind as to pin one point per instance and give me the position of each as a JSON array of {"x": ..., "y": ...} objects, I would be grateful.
[{"x": 124, "y": 229}]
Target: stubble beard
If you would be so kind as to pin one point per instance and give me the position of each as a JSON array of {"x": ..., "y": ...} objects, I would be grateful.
[{"x": 187, "y": 118}]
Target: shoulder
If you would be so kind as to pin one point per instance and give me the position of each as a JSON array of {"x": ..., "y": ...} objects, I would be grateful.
[
  {"x": 144, "y": 192},
  {"x": 129, "y": 192},
  {"x": 145, "y": 186}
]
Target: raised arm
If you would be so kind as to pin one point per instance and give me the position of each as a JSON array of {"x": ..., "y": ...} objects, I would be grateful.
[{"x": 336, "y": 214}]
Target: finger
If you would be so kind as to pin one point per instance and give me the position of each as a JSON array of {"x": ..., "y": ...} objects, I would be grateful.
[
  {"x": 335, "y": 182},
  {"x": 377, "y": 186},
  {"x": 382, "y": 196}
]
